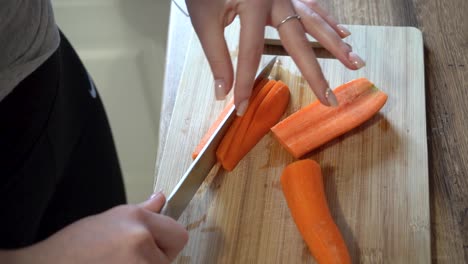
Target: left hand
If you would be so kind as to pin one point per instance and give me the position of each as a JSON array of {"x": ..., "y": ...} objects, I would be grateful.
[{"x": 210, "y": 17}]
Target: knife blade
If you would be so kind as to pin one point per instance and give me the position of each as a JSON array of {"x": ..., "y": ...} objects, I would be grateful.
[{"x": 191, "y": 181}]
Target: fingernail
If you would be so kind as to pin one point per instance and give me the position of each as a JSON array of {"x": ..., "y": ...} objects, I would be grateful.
[
  {"x": 242, "y": 107},
  {"x": 156, "y": 195},
  {"x": 343, "y": 30},
  {"x": 356, "y": 60},
  {"x": 331, "y": 98},
  {"x": 220, "y": 89}
]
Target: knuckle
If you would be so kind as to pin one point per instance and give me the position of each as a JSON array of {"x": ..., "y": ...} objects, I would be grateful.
[
  {"x": 313, "y": 16},
  {"x": 184, "y": 237},
  {"x": 344, "y": 47},
  {"x": 171, "y": 222},
  {"x": 181, "y": 231},
  {"x": 243, "y": 5},
  {"x": 218, "y": 64},
  {"x": 142, "y": 236},
  {"x": 134, "y": 212},
  {"x": 139, "y": 236},
  {"x": 312, "y": 3}
]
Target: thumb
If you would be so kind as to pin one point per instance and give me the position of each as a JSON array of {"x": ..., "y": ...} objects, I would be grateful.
[{"x": 155, "y": 202}]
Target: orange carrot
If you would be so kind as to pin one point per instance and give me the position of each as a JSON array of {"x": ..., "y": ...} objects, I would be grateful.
[
  {"x": 239, "y": 122},
  {"x": 263, "y": 112},
  {"x": 303, "y": 189},
  {"x": 263, "y": 115},
  {"x": 317, "y": 124},
  {"x": 212, "y": 129},
  {"x": 220, "y": 118}
]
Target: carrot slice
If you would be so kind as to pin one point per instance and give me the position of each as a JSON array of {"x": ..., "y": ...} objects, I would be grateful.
[
  {"x": 302, "y": 185},
  {"x": 317, "y": 124},
  {"x": 251, "y": 130},
  {"x": 212, "y": 129},
  {"x": 240, "y": 124},
  {"x": 220, "y": 118}
]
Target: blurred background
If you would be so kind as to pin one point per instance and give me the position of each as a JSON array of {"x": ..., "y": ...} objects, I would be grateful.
[{"x": 123, "y": 43}]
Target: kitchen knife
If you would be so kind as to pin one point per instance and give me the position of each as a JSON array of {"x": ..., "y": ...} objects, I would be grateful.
[{"x": 186, "y": 188}]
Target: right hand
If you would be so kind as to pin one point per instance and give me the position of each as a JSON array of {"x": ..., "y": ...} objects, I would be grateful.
[{"x": 124, "y": 234}]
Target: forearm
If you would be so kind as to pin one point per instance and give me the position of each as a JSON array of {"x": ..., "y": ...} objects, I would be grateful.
[
  {"x": 16, "y": 256},
  {"x": 23, "y": 255}
]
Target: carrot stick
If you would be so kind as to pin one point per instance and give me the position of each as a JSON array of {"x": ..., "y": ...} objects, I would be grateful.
[
  {"x": 212, "y": 129},
  {"x": 264, "y": 111},
  {"x": 220, "y": 118},
  {"x": 317, "y": 124},
  {"x": 303, "y": 189},
  {"x": 266, "y": 114},
  {"x": 240, "y": 124}
]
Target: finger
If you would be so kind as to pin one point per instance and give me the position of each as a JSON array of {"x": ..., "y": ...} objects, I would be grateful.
[
  {"x": 168, "y": 235},
  {"x": 250, "y": 50},
  {"x": 158, "y": 256},
  {"x": 155, "y": 202},
  {"x": 339, "y": 29},
  {"x": 210, "y": 31},
  {"x": 293, "y": 38},
  {"x": 151, "y": 253},
  {"x": 321, "y": 30}
]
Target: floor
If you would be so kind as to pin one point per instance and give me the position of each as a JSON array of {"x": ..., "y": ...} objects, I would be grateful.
[{"x": 123, "y": 44}]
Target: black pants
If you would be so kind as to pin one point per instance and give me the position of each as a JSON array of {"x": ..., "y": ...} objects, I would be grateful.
[{"x": 58, "y": 161}]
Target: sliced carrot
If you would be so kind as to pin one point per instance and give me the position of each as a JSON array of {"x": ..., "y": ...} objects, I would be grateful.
[
  {"x": 220, "y": 118},
  {"x": 302, "y": 185},
  {"x": 317, "y": 124},
  {"x": 240, "y": 124},
  {"x": 212, "y": 129},
  {"x": 251, "y": 130},
  {"x": 267, "y": 114},
  {"x": 263, "y": 112}
]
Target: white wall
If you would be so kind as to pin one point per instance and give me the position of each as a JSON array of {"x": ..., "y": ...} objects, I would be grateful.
[{"x": 123, "y": 43}]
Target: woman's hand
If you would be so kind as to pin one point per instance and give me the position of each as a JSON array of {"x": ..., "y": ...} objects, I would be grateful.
[
  {"x": 210, "y": 17},
  {"x": 124, "y": 234}
]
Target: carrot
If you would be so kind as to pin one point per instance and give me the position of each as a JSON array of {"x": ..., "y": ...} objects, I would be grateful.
[
  {"x": 267, "y": 114},
  {"x": 220, "y": 118},
  {"x": 317, "y": 124},
  {"x": 240, "y": 124},
  {"x": 256, "y": 123},
  {"x": 264, "y": 111},
  {"x": 303, "y": 189},
  {"x": 212, "y": 129}
]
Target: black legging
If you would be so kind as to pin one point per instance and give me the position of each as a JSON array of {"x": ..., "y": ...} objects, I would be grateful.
[{"x": 58, "y": 161}]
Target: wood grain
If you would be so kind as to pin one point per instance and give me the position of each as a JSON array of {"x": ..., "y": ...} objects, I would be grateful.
[
  {"x": 376, "y": 177},
  {"x": 445, "y": 33}
]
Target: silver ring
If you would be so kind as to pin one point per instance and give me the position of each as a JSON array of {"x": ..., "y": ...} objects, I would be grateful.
[{"x": 288, "y": 18}]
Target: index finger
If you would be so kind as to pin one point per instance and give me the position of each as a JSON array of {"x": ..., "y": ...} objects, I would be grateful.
[
  {"x": 168, "y": 235},
  {"x": 250, "y": 50}
]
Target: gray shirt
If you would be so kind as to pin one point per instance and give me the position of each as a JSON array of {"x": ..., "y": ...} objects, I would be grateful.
[{"x": 28, "y": 36}]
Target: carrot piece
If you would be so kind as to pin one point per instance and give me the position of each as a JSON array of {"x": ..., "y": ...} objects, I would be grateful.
[
  {"x": 267, "y": 114},
  {"x": 240, "y": 125},
  {"x": 212, "y": 129},
  {"x": 303, "y": 189},
  {"x": 317, "y": 124},
  {"x": 220, "y": 118},
  {"x": 251, "y": 130}
]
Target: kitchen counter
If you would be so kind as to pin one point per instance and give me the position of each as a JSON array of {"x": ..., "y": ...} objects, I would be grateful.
[{"x": 445, "y": 32}]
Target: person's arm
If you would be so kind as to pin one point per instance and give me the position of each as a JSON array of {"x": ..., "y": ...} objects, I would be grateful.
[
  {"x": 124, "y": 234},
  {"x": 209, "y": 18}
]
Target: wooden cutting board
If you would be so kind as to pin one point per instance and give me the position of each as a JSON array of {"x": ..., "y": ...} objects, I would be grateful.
[{"x": 376, "y": 177}]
